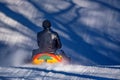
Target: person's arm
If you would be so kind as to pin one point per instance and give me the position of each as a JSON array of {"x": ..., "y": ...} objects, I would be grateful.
[
  {"x": 38, "y": 39},
  {"x": 58, "y": 45}
]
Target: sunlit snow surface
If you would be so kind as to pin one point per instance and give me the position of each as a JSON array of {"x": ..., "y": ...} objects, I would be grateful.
[{"x": 59, "y": 72}]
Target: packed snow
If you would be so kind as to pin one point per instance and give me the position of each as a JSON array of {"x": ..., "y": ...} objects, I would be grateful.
[{"x": 59, "y": 72}]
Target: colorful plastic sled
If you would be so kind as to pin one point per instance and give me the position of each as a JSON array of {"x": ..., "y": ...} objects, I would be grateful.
[{"x": 46, "y": 57}]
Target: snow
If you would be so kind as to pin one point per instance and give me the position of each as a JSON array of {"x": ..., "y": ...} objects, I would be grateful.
[
  {"x": 89, "y": 31},
  {"x": 59, "y": 72}
]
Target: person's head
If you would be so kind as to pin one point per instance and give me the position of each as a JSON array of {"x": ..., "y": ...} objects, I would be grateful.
[{"x": 46, "y": 24}]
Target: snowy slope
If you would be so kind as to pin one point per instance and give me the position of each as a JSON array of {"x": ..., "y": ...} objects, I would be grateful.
[
  {"x": 59, "y": 72},
  {"x": 89, "y": 31}
]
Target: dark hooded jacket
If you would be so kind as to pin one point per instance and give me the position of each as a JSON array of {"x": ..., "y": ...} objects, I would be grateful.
[{"x": 48, "y": 41}]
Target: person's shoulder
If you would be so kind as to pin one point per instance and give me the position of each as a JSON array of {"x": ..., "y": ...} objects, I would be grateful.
[
  {"x": 55, "y": 33},
  {"x": 40, "y": 32}
]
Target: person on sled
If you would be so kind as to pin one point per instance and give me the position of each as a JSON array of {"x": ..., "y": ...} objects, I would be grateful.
[{"x": 48, "y": 40}]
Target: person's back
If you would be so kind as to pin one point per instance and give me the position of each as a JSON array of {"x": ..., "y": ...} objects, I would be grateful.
[{"x": 48, "y": 41}]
